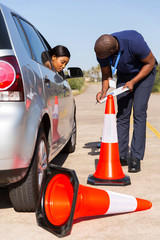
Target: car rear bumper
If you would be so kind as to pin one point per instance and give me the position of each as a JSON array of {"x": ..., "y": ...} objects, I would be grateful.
[
  {"x": 12, "y": 142},
  {"x": 11, "y": 176}
]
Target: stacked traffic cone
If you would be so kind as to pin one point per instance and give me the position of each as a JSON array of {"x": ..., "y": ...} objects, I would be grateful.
[
  {"x": 109, "y": 170},
  {"x": 63, "y": 200},
  {"x": 55, "y": 117},
  {"x": 29, "y": 100}
]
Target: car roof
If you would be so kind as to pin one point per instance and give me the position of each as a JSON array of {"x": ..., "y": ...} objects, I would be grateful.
[{"x": 5, "y": 8}]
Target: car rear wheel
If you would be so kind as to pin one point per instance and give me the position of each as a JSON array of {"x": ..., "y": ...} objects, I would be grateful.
[{"x": 24, "y": 194}]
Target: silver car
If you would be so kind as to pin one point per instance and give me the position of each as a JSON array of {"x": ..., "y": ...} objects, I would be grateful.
[{"x": 37, "y": 110}]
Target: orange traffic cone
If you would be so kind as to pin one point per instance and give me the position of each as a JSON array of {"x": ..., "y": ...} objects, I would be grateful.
[
  {"x": 63, "y": 200},
  {"x": 55, "y": 117},
  {"x": 109, "y": 170}
]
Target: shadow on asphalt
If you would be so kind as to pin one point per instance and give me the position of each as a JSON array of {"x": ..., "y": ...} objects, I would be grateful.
[
  {"x": 4, "y": 198},
  {"x": 93, "y": 146},
  {"x": 78, "y": 220},
  {"x": 60, "y": 159},
  {"x": 95, "y": 150}
]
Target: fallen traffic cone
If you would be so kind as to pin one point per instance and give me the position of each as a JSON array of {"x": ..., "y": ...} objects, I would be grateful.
[
  {"x": 109, "y": 170},
  {"x": 63, "y": 200},
  {"x": 55, "y": 117}
]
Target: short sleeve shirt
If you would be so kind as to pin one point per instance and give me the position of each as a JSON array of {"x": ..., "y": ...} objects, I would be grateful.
[{"x": 133, "y": 49}]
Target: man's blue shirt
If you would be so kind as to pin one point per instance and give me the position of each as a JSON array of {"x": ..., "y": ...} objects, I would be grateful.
[{"x": 133, "y": 49}]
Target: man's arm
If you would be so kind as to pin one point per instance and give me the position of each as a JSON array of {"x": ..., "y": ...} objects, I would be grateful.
[
  {"x": 149, "y": 63},
  {"x": 106, "y": 75}
]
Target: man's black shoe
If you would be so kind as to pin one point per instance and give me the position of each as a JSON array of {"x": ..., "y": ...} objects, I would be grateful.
[
  {"x": 134, "y": 165},
  {"x": 123, "y": 161}
]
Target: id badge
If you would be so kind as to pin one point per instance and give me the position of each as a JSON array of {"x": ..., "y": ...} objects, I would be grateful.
[{"x": 112, "y": 83}]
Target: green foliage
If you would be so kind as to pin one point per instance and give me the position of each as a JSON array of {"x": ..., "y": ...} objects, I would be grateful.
[
  {"x": 76, "y": 83},
  {"x": 156, "y": 87}
]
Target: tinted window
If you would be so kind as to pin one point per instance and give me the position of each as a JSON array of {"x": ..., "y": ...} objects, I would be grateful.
[
  {"x": 22, "y": 36},
  {"x": 4, "y": 38},
  {"x": 45, "y": 43},
  {"x": 38, "y": 50}
]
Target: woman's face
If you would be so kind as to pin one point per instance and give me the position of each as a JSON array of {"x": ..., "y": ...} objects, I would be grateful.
[{"x": 59, "y": 63}]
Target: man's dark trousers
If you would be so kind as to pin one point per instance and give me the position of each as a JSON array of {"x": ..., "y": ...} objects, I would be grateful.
[{"x": 138, "y": 99}]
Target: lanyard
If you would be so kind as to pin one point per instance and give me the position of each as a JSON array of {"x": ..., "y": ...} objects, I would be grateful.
[{"x": 116, "y": 63}]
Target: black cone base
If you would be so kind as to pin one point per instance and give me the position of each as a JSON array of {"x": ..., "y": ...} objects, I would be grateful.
[
  {"x": 108, "y": 182},
  {"x": 42, "y": 220}
]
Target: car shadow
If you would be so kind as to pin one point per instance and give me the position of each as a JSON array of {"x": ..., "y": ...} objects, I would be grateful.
[
  {"x": 60, "y": 159},
  {"x": 4, "y": 199}
]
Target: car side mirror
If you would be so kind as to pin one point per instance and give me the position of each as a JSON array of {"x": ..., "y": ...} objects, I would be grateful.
[{"x": 74, "y": 72}]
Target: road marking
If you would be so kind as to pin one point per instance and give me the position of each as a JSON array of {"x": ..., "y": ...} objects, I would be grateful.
[
  {"x": 149, "y": 126},
  {"x": 153, "y": 130}
]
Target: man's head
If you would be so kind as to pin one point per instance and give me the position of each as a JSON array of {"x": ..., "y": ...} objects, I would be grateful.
[{"x": 105, "y": 46}]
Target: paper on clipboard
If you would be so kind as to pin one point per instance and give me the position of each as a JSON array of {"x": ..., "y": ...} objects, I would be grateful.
[
  {"x": 112, "y": 83},
  {"x": 115, "y": 92}
]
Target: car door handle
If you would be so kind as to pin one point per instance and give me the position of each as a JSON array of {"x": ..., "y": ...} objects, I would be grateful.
[
  {"x": 46, "y": 80},
  {"x": 64, "y": 87}
]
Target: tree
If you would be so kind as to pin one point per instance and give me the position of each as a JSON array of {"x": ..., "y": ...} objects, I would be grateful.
[{"x": 156, "y": 87}]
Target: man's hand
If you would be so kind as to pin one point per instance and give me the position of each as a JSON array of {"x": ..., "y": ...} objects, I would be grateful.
[
  {"x": 106, "y": 75},
  {"x": 101, "y": 95},
  {"x": 130, "y": 85}
]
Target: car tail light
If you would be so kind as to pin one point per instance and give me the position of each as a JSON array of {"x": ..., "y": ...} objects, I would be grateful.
[{"x": 11, "y": 86}]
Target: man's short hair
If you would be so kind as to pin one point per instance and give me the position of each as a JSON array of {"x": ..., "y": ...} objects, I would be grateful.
[{"x": 104, "y": 45}]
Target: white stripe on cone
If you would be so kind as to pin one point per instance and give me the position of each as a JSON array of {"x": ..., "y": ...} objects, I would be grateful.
[
  {"x": 55, "y": 114},
  {"x": 109, "y": 129},
  {"x": 120, "y": 203}
]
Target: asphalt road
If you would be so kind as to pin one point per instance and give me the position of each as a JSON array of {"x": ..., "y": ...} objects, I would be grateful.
[{"x": 144, "y": 225}]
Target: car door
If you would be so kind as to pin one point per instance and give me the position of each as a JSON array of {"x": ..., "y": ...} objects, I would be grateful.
[
  {"x": 65, "y": 102},
  {"x": 52, "y": 85}
]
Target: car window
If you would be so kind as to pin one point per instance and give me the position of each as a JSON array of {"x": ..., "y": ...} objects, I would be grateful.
[
  {"x": 23, "y": 37},
  {"x": 46, "y": 44},
  {"x": 39, "y": 52},
  {"x": 4, "y": 38}
]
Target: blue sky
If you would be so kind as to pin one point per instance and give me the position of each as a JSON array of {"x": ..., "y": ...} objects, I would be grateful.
[{"x": 77, "y": 24}]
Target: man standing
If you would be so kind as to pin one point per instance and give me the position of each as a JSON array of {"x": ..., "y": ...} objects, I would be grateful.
[{"x": 130, "y": 55}]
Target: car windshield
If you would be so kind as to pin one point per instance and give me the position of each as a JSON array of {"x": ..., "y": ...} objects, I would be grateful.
[{"x": 4, "y": 38}]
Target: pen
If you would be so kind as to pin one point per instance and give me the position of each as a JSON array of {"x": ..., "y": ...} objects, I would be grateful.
[{"x": 100, "y": 97}]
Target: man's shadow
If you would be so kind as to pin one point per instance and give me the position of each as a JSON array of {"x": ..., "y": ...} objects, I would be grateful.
[
  {"x": 93, "y": 146},
  {"x": 94, "y": 150}
]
